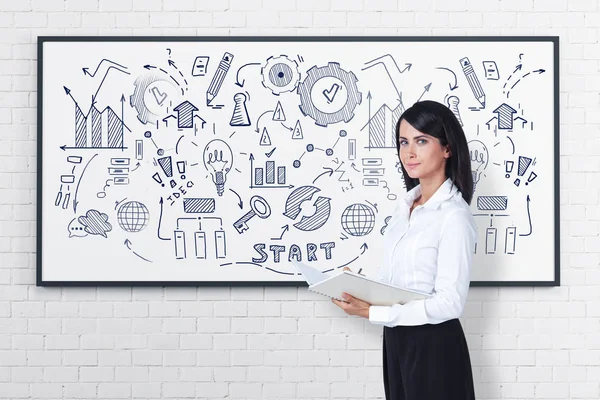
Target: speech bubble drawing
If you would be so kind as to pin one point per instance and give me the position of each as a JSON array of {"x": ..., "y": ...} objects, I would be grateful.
[
  {"x": 76, "y": 229},
  {"x": 95, "y": 223}
]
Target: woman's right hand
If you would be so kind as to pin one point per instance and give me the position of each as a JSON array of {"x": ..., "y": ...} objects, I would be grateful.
[{"x": 346, "y": 269}]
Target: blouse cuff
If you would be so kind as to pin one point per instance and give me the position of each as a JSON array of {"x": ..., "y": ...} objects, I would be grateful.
[{"x": 379, "y": 314}]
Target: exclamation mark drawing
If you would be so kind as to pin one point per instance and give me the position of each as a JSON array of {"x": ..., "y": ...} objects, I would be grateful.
[
  {"x": 166, "y": 164},
  {"x": 181, "y": 169},
  {"x": 524, "y": 163},
  {"x": 532, "y": 176},
  {"x": 158, "y": 179},
  {"x": 509, "y": 168}
]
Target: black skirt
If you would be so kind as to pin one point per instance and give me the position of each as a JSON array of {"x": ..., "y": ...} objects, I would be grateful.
[{"x": 427, "y": 362}]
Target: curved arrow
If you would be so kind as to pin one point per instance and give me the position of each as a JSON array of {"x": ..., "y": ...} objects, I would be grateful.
[
  {"x": 160, "y": 221},
  {"x": 517, "y": 68},
  {"x": 148, "y": 66},
  {"x": 529, "y": 216},
  {"x": 145, "y": 259},
  {"x": 172, "y": 64},
  {"x": 270, "y": 111},
  {"x": 287, "y": 127},
  {"x": 240, "y": 201},
  {"x": 237, "y": 75},
  {"x": 452, "y": 87},
  {"x": 128, "y": 244},
  {"x": 75, "y": 202},
  {"x": 327, "y": 171},
  {"x": 539, "y": 71}
]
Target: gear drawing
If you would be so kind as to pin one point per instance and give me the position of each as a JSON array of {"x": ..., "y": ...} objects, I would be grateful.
[
  {"x": 280, "y": 74},
  {"x": 152, "y": 96},
  {"x": 329, "y": 94}
]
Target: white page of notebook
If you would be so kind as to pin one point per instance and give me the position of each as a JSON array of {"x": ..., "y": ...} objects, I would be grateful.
[{"x": 373, "y": 292}]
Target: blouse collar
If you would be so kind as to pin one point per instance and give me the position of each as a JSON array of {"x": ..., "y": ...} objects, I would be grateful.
[{"x": 443, "y": 193}]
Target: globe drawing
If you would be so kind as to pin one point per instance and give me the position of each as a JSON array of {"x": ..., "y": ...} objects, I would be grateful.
[
  {"x": 358, "y": 220},
  {"x": 132, "y": 216}
]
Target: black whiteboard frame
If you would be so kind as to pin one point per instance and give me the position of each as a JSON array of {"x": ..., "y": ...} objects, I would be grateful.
[{"x": 40, "y": 68}]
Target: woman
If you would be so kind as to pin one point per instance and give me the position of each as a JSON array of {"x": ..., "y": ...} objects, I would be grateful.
[{"x": 428, "y": 247}]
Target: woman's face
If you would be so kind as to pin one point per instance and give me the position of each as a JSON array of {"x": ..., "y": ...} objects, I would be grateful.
[{"x": 422, "y": 155}]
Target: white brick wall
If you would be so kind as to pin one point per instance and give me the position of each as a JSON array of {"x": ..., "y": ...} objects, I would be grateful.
[{"x": 147, "y": 343}]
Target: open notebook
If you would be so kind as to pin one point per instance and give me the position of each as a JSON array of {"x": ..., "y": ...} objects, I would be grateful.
[{"x": 372, "y": 291}]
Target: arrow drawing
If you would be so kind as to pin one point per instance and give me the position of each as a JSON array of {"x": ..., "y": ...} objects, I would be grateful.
[
  {"x": 528, "y": 216},
  {"x": 369, "y": 97},
  {"x": 148, "y": 67},
  {"x": 237, "y": 75},
  {"x": 538, "y": 71},
  {"x": 127, "y": 244},
  {"x": 172, "y": 64},
  {"x": 86, "y": 70},
  {"x": 391, "y": 67},
  {"x": 424, "y": 91},
  {"x": 284, "y": 228},
  {"x": 75, "y": 202},
  {"x": 240, "y": 201},
  {"x": 102, "y": 81},
  {"x": 257, "y": 130},
  {"x": 452, "y": 87},
  {"x": 327, "y": 171},
  {"x": 160, "y": 221}
]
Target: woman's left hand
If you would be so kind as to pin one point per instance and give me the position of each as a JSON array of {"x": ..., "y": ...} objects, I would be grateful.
[{"x": 353, "y": 306}]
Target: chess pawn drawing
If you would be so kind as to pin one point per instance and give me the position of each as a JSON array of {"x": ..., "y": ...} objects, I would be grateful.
[
  {"x": 453, "y": 106},
  {"x": 240, "y": 113}
]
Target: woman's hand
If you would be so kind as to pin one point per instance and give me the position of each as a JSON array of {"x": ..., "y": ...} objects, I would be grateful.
[{"x": 353, "y": 306}]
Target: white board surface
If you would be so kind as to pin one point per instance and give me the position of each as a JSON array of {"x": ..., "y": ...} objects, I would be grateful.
[{"x": 153, "y": 150}]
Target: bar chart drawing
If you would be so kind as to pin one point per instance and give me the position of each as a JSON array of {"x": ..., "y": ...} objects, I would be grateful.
[{"x": 269, "y": 175}]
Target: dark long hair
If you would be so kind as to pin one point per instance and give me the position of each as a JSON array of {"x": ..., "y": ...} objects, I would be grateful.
[{"x": 439, "y": 121}]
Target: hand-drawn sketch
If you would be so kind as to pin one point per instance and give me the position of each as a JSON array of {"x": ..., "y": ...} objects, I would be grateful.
[
  {"x": 220, "y": 160},
  {"x": 280, "y": 74}
]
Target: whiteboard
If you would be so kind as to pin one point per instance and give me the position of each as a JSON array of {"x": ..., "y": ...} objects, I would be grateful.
[{"x": 218, "y": 160}]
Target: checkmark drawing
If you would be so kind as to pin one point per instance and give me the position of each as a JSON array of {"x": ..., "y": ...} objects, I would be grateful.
[
  {"x": 330, "y": 93},
  {"x": 158, "y": 96}
]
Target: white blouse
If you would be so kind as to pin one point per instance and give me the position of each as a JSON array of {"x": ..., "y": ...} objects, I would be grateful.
[{"x": 430, "y": 252}]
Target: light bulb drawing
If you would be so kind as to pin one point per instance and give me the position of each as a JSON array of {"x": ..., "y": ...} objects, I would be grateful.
[
  {"x": 218, "y": 161},
  {"x": 479, "y": 159}
]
